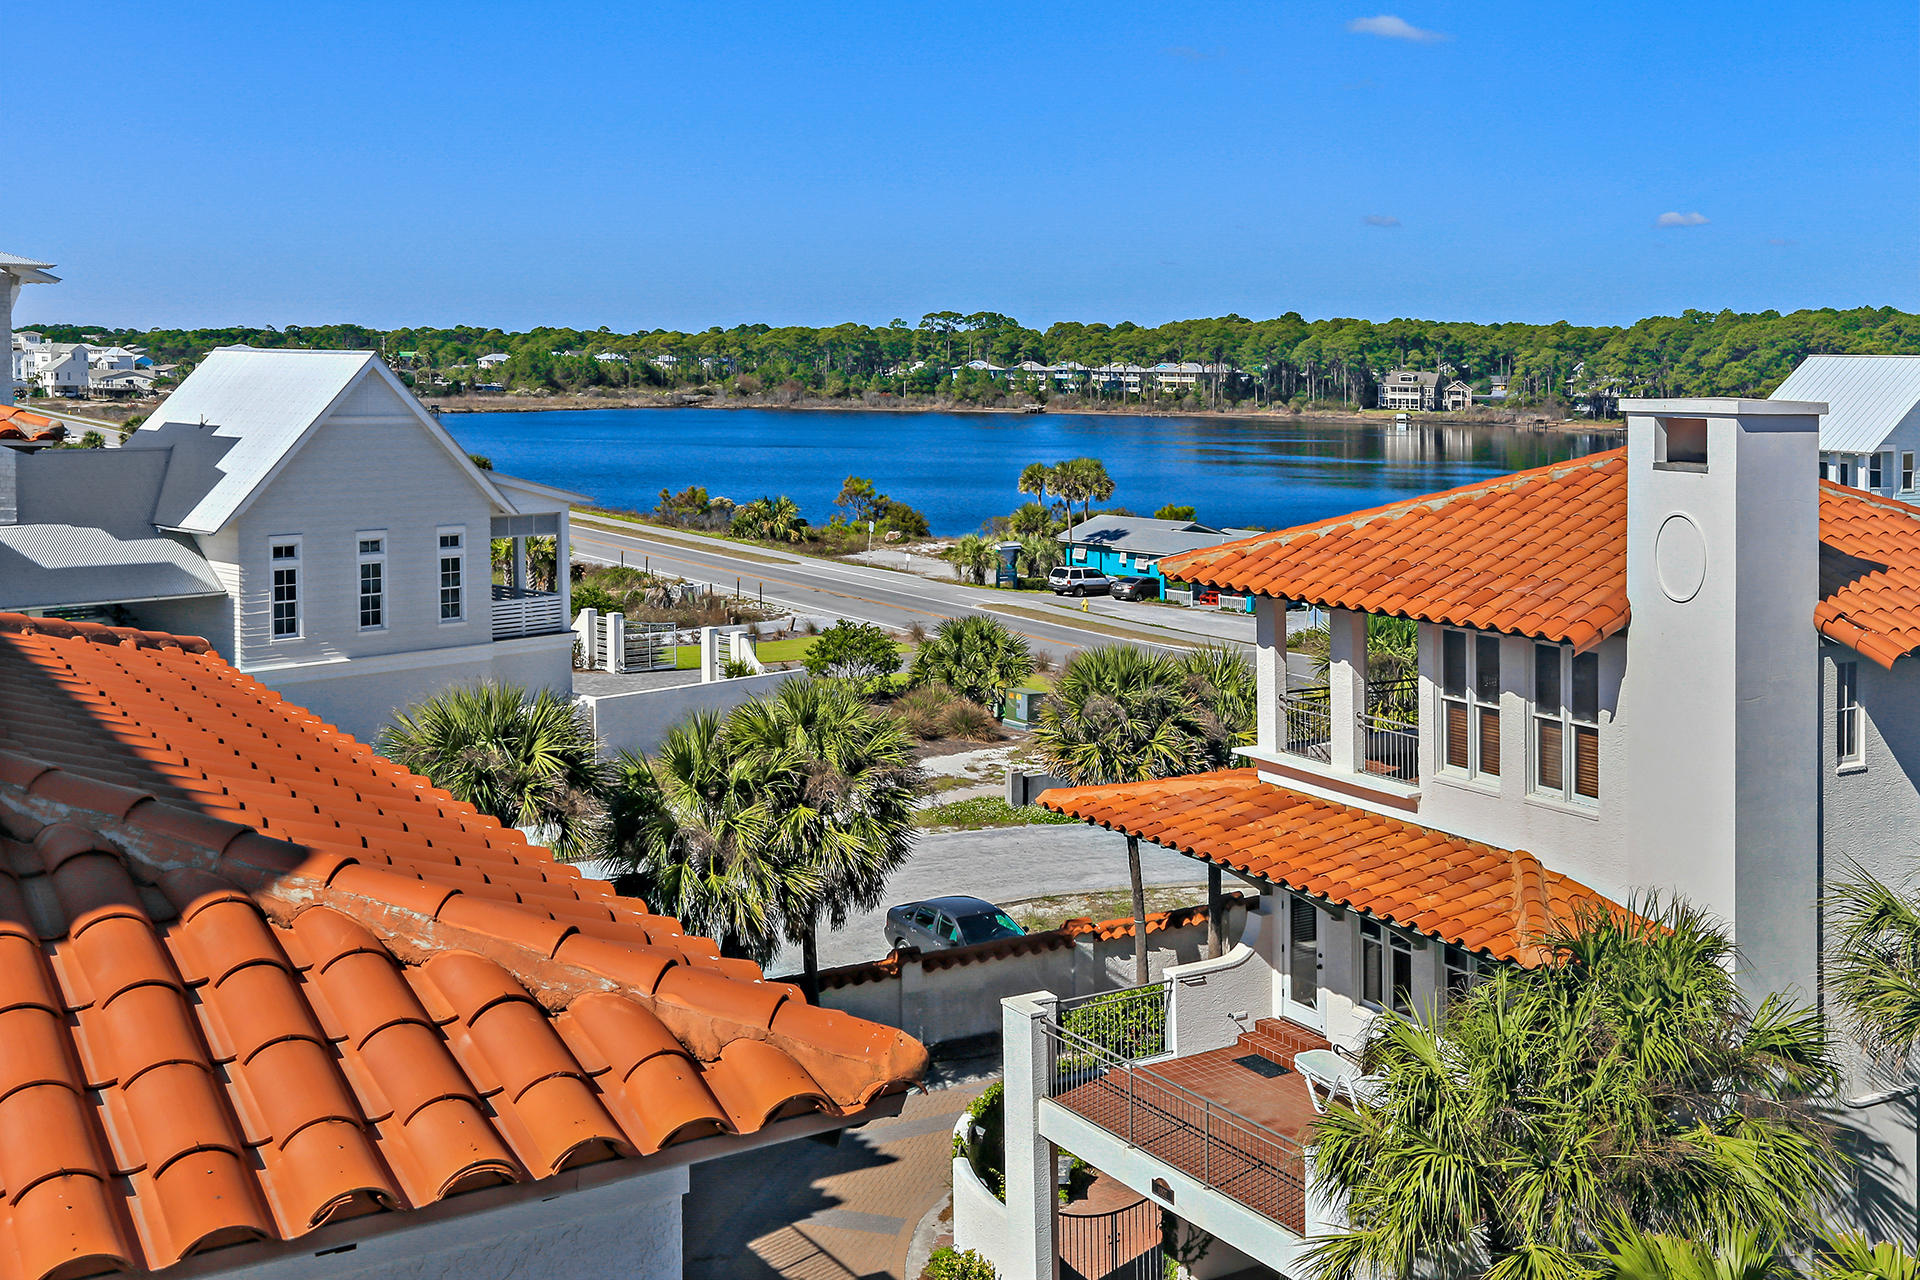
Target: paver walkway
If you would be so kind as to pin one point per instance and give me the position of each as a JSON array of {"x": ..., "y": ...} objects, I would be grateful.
[{"x": 805, "y": 1211}]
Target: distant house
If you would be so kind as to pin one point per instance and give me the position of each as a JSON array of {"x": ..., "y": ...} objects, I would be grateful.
[
  {"x": 992, "y": 370},
  {"x": 1498, "y": 386},
  {"x": 491, "y": 359},
  {"x": 119, "y": 383},
  {"x": 1409, "y": 390},
  {"x": 1870, "y": 435},
  {"x": 610, "y": 357},
  {"x": 1457, "y": 396},
  {"x": 306, "y": 515},
  {"x": 1132, "y": 546}
]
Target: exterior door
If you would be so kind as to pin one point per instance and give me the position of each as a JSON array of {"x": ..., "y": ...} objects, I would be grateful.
[{"x": 1305, "y": 959}]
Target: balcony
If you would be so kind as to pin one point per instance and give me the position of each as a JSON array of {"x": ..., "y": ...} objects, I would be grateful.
[
  {"x": 1387, "y": 731},
  {"x": 519, "y": 612},
  {"x": 1235, "y": 1119}
]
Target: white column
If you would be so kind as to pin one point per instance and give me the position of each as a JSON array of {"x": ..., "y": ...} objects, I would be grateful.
[
  {"x": 9, "y": 294},
  {"x": 1269, "y": 669},
  {"x": 563, "y": 564},
  {"x": 709, "y": 654},
  {"x": 1346, "y": 686},
  {"x": 586, "y": 626},
  {"x": 517, "y": 572},
  {"x": 616, "y": 642},
  {"x": 1028, "y": 1250}
]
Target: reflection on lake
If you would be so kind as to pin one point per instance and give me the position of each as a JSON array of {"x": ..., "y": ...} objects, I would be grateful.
[{"x": 960, "y": 468}]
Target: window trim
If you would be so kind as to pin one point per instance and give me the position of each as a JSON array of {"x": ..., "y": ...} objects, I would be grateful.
[
  {"x": 442, "y": 554},
  {"x": 1906, "y": 471},
  {"x": 361, "y": 559},
  {"x": 1849, "y": 719},
  {"x": 1569, "y": 725},
  {"x": 1472, "y": 703},
  {"x": 276, "y": 564}
]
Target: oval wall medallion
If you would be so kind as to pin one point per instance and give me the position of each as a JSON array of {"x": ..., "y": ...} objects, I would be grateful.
[{"x": 1680, "y": 558}]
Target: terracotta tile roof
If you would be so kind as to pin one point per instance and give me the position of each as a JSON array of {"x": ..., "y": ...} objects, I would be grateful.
[
  {"x": 17, "y": 423},
  {"x": 1537, "y": 553},
  {"x": 1544, "y": 553},
  {"x": 1869, "y": 573},
  {"x": 1495, "y": 901},
  {"x": 255, "y": 978}
]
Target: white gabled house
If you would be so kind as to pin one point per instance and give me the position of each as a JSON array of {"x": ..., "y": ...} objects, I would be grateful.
[
  {"x": 1687, "y": 666},
  {"x": 317, "y": 525},
  {"x": 1871, "y": 433}
]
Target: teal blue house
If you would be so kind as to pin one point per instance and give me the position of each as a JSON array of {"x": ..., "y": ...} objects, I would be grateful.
[{"x": 1133, "y": 546}]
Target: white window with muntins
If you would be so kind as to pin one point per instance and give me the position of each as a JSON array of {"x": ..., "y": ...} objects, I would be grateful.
[
  {"x": 1566, "y": 723},
  {"x": 1463, "y": 970},
  {"x": 1470, "y": 703},
  {"x": 371, "y": 560},
  {"x": 283, "y": 559},
  {"x": 1849, "y": 737},
  {"x": 1906, "y": 471},
  {"x": 1875, "y": 473},
  {"x": 453, "y": 574},
  {"x": 1386, "y": 968}
]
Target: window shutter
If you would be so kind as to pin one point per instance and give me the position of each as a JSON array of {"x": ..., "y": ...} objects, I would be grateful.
[
  {"x": 1490, "y": 740},
  {"x": 1586, "y": 763},
  {"x": 1550, "y": 755},
  {"x": 1457, "y": 735}
]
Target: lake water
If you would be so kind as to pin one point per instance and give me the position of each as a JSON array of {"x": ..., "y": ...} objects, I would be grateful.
[{"x": 960, "y": 468}]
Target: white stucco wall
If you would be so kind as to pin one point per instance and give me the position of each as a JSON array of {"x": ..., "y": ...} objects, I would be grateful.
[
  {"x": 1213, "y": 1002},
  {"x": 640, "y": 721}
]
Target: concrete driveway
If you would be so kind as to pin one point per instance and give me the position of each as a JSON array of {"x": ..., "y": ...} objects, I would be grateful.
[{"x": 1007, "y": 864}]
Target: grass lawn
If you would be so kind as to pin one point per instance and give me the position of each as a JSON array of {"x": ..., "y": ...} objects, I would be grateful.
[
  {"x": 686, "y": 657},
  {"x": 983, "y": 812}
]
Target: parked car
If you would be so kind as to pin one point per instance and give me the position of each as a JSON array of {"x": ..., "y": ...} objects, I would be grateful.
[
  {"x": 935, "y": 924},
  {"x": 1136, "y": 588},
  {"x": 1067, "y": 580}
]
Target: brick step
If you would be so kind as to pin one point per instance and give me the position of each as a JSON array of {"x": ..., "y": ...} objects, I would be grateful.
[{"x": 1290, "y": 1034}]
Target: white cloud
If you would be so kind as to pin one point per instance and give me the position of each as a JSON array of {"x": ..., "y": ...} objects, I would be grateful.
[
  {"x": 1381, "y": 220},
  {"x": 1393, "y": 28},
  {"x": 1681, "y": 220}
]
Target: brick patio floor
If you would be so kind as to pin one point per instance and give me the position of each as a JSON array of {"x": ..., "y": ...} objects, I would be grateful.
[{"x": 805, "y": 1211}]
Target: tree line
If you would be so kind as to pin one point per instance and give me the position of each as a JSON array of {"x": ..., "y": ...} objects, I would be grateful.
[{"x": 1288, "y": 359}]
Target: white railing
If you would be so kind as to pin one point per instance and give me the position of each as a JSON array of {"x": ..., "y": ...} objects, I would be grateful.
[{"x": 519, "y": 612}]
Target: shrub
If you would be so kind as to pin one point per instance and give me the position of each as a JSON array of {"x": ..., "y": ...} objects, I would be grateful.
[
  {"x": 949, "y": 1264},
  {"x": 736, "y": 669},
  {"x": 977, "y": 656},
  {"x": 922, "y": 712},
  {"x": 985, "y": 1141},
  {"x": 857, "y": 652},
  {"x": 970, "y": 720},
  {"x": 590, "y": 595}
]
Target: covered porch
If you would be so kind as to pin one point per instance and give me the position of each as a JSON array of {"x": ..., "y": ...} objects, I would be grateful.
[{"x": 532, "y": 560}]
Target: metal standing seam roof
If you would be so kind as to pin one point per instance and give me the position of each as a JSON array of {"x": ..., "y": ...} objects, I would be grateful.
[
  {"x": 1140, "y": 534},
  {"x": 47, "y": 566},
  {"x": 1867, "y": 397},
  {"x": 255, "y": 978},
  {"x": 1495, "y": 901},
  {"x": 259, "y": 404},
  {"x": 1543, "y": 553}
]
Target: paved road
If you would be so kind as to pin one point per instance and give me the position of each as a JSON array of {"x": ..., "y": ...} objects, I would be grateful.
[
  {"x": 1004, "y": 865},
  {"x": 898, "y": 600}
]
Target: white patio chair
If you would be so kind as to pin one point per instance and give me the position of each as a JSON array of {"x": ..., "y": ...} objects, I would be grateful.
[{"x": 1323, "y": 1069}]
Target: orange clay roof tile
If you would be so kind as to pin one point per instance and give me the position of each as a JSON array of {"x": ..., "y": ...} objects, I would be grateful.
[
  {"x": 1543, "y": 553},
  {"x": 254, "y": 978},
  {"x": 1491, "y": 900}
]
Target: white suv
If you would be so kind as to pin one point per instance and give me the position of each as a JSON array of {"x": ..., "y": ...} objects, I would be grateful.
[{"x": 1067, "y": 580}]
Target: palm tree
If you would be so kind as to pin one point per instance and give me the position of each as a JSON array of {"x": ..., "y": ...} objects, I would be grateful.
[
  {"x": 1038, "y": 555},
  {"x": 1735, "y": 1252},
  {"x": 972, "y": 558},
  {"x": 1625, "y": 1086},
  {"x": 839, "y": 781},
  {"x": 1874, "y": 968},
  {"x": 696, "y": 836},
  {"x": 531, "y": 762},
  {"x": 1854, "y": 1257},
  {"x": 979, "y": 657},
  {"x": 1121, "y": 714},
  {"x": 1036, "y": 478},
  {"x": 1084, "y": 480}
]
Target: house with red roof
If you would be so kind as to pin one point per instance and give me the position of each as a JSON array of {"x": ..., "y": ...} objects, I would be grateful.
[
  {"x": 1685, "y": 666},
  {"x": 272, "y": 1006}
]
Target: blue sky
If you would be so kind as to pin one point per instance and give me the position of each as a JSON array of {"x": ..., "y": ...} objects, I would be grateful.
[{"x": 681, "y": 165}]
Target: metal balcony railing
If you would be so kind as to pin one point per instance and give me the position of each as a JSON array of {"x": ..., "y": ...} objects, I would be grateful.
[
  {"x": 1226, "y": 1152},
  {"x": 1392, "y": 747},
  {"x": 1130, "y": 1023},
  {"x": 1306, "y": 724}
]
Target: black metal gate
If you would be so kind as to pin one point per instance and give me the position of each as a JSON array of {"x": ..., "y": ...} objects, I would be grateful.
[{"x": 1123, "y": 1244}]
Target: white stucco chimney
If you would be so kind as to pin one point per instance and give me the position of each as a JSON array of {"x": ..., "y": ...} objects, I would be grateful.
[{"x": 1722, "y": 687}]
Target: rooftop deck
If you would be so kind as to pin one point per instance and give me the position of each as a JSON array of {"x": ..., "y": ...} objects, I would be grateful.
[{"x": 1238, "y": 1119}]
